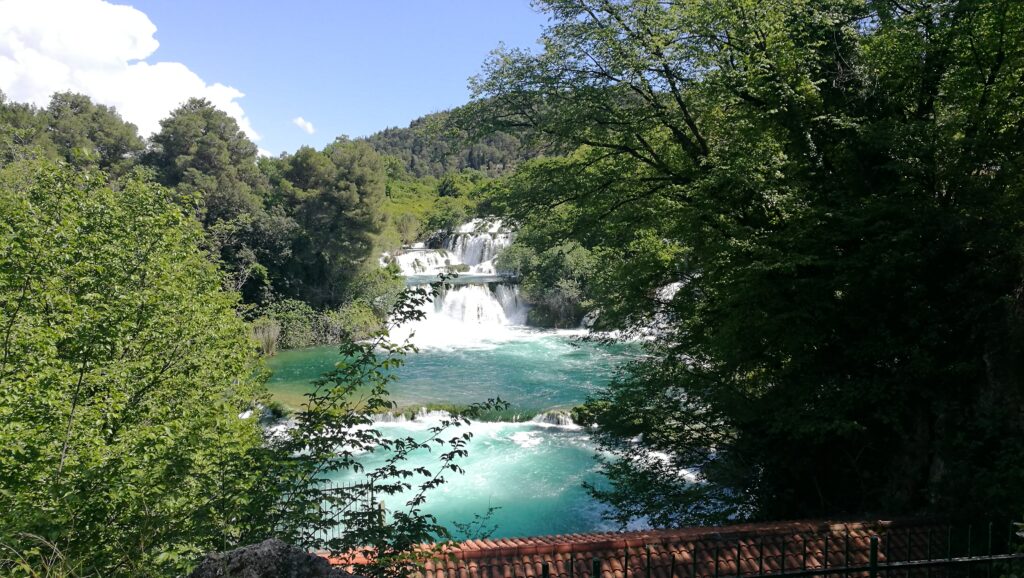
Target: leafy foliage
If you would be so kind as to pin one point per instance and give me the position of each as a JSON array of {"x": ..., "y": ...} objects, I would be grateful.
[
  {"x": 123, "y": 372},
  {"x": 130, "y": 443},
  {"x": 818, "y": 206},
  {"x": 554, "y": 279}
]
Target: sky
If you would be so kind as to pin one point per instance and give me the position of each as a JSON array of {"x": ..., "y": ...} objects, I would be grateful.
[{"x": 291, "y": 73}]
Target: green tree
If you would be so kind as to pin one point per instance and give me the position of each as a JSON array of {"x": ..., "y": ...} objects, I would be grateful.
[
  {"x": 200, "y": 149},
  {"x": 87, "y": 132},
  {"x": 338, "y": 207},
  {"x": 24, "y": 133},
  {"x": 124, "y": 377},
  {"x": 554, "y": 279},
  {"x": 818, "y": 202},
  {"x": 447, "y": 214}
]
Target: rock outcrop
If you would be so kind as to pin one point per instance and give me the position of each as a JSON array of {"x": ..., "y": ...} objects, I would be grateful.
[{"x": 268, "y": 559}]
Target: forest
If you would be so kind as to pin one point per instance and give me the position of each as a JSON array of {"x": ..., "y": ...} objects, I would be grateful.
[{"x": 809, "y": 212}]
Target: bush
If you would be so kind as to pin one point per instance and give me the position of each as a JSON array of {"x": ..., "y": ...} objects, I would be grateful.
[
  {"x": 297, "y": 322},
  {"x": 266, "y": 332}
]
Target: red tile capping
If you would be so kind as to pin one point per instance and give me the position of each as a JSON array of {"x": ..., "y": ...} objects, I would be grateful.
[{"x": 738, "y": 544}]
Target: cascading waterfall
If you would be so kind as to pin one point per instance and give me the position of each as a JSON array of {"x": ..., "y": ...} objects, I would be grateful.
[
  {"x": 469, "y": 316},
  {"x": 477, "y": 249},
  {"x": 484, "y": 304},
  {"x": 473, "y": 247},
  {"x": 478, "y": 311}
]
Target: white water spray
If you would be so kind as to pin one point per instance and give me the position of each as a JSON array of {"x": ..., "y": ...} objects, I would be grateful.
[{"x": 469, "y": 316}]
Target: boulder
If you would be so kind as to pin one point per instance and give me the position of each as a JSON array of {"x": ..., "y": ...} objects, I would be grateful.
[{"x": 268, "y": 559}]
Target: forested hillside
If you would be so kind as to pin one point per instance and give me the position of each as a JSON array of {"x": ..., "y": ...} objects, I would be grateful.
[
  {"x": 298, "y": 235},
  {"x": 435, "y": 146}
]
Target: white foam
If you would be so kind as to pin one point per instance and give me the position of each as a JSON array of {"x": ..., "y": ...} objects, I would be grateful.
[
  {"x": 469, "y": 317},
  {"x": 526, "y": 439}
]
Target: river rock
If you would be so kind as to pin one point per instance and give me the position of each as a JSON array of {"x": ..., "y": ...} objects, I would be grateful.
[{"x": 268, "y": 559}]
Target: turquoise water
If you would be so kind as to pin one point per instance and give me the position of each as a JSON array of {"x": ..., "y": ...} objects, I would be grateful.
[
  {"x": 532, "y": 472},
  {"x": 536, "y": 372}
]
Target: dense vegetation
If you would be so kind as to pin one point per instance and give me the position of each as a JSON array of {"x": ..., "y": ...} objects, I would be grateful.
[
  {"x": 818, "y": 206},
  {"x": 812, "y": 206},
  {"x": 123, "y": 371},
  {"x": 297, "y": 236},
  {"x": 131, "y": 429},
  {"x": 133, "y": 276},
  {"x": 434, "y": 146}
]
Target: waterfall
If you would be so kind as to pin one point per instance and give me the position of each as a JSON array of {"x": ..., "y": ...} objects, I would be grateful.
[
  {"x": 480, "y": 308},
  {"x": 471, "y": 250},
  {"x": 486, "y": 304},
  {"x": 556, "y": 418},
  {"x": 467, "y": 316},
  {"x": 476, "y": 249},
  {"x": 515, "y": 309},
  {"x": 475, "y": 304}
]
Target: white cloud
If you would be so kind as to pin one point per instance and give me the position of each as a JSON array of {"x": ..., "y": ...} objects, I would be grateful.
[
  {"x": 99, "y": 49},
  {"x": 304, "y": 124}
]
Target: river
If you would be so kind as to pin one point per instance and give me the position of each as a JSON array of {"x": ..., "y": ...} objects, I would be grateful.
[{"x": 531, "y": 465}]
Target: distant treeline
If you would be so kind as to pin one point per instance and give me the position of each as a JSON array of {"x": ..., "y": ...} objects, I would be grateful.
[{"x": 432, "y": 146}]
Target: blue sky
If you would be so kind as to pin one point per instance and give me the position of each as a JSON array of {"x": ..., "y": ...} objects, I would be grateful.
[
  {"x": 348, "y": 67},
  {"x": 341, "y": 67}
]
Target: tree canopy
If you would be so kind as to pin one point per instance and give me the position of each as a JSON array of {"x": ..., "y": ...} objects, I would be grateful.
[
  {"x": 124, "y": 374},
  {"x": 817, "y": 207}
]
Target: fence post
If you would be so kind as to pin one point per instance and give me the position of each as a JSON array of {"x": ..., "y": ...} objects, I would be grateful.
[
  {"x": 846, "y": 552},
  {"x": 970, "y": 532},
  {"x": 928, "y": 552},
  {"x": 988, "y": 569},
  {"x": 545, "y": 571},
  {"x": 970, "y": 539},
  {"x": 825, "y": 550},
  {"x": 596, "y": 569},
  {"x": 910, "y": 541},
  {"x": 648, "y": 548},
  {"x": 949, "y": 542},
  {"x": 873, "y": 558}
]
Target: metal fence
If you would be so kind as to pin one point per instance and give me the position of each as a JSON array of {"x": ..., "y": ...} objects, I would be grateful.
[
  {"x": 330, "y": 511},
  {"x": 933, "y": 552}
]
